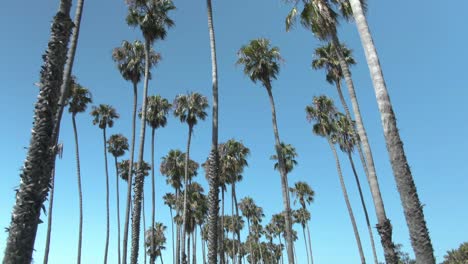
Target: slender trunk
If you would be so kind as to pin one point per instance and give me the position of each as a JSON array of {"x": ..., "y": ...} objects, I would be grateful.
[
  {"x": 213, "y": 172},
  {"x": 384, "y": 226},
  {"x": 144, "y": 225},
  {"x": 310, "y": 245},
  {"x": 49, "y": 217},
  {"x": 261, "y": 254},
  {"x": 284, "y": 180},
  {"x": 294, "y": 249},
  {"x": 177, "y": 230},
  {"x": 162, "y": 262},
  {"x": 188, "y": 249},
  {"x": 172, "y": 232},
  {"x": 153, "y": 194},
  {"x": 221, "y": 248},
  {"x": 348, "y": 205},
  {"x": 106, "y": 249},
  {"x": 203, "y": 246},
  {"x": 139, "y": 179},
  {"x": 414, "y": 214},
  {"x": 80, "y": 193},
  {"x": 281, "y": 244},
  {"x": 305, "y": 241},
  {"x": 37, "y": 170},
  {"x": 364, "y": 207},
  {"x": 234, "y": 225},
  {"x": 118, "y": 208},
  {"x": 184, "y": 222},
  {"x": 130, "y": 177},
  {"x": 194, "y": 261},
  {"x": 250, "y": 242},
  {"x": 234, "y": 196}
]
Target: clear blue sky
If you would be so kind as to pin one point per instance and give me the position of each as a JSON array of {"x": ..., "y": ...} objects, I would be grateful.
[{"x": 421, "y": 48}]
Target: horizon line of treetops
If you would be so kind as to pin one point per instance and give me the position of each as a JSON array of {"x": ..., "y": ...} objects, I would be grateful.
[{"x": 226, "y": 161}]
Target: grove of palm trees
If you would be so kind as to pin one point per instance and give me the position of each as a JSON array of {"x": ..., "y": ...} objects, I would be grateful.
[{"x": 261, "y": 132}]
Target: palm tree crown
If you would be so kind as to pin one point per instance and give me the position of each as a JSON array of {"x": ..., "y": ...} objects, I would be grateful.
[
  {"x": 323, "y": 111},
  {"x": 117, "y": 145},
  {"x": 325, "y": 57},
  {"x": 104, "y": 115},
  {"x": 190, "y": 107},
  {"x": 289, "y": 153},
  {"x": 79, "y": 99},
  {"x": 302, "y": 193},
  {"x": 157, "y": 109},
  {"x": 173, "y": 166}
]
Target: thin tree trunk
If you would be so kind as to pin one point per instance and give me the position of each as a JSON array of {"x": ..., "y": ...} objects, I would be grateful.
[
  {"x": 130, "y": 177},
  {"x": 310, "y": 245},
  {"x": 221, "y": 249},
  {"x": 305, "y": 241},
  {"x": 384, "y": 226},
  {"x": 172, "y": 232},
  {"x": 139, "y": 179},
  {"x": 203, "y": 246},
  {"x": 284, "y": 180},
  {"x": 39, "y": 163},
  {"x": 281, "y": 243},
  {"x": 49, "y": 217},
  {"x": 234, "y": 225},
  {"x": 188, "y": 249},
  {"x": 184, "y": 222},
  {"x": 348, "y": 205},
  {"x": 194, "y": 261},
  {"x": 153, "y": 193},
  {"x": 250, "y": 242},
  {"x": 144, "y": 225},
  {"x": 364, "y": 207},
  {"x": 118, "y": 208},
  {"x": 80, "y": 193},
  {"x": 234, "y": 196},
  {"x": 414, "y": 214},
  {"x": 107, "y": 198},
  {"x": 177, "y": 230}
]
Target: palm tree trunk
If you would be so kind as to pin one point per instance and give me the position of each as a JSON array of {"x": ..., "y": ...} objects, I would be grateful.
[
  {"x": 178, "y": 229},
  {"x": 414, "y": 214},
  {"x": 80, "y": 193},
  {"x": 281, "y": 243},
  {"x": 153, "y": 192},
  {"x": 39, "y": 163},
  {"x": 305, "y": 241},
  {"x": 234, "y": 196},
  {"x": 130, "y": 177},
  {"x": 107, "y": 198},
  {"x": 284, "y": 180},
  {"x": 184, "y": 222},
  {"x": 203, "y": 246},
  {"x": 221, "y": 249},
  {"x": 194, "y": 243},
  {"x": 139, "y": 179},
  {"x": 364, "y": 207},
  {"x": 384, "y": 226},
  {"x": 348, "y": 205},
  {"x": 49, "y": 217},
  {"x": 144, "y": 225},
  {"x": 310, "y": 245},
  {"x": 118, "y": 207},
  {"x": 188, "y": 249},
  {"x": 172, "y": 232},
  {"x": 234, "y": 225},
  {"x": 250, "y": 241}
]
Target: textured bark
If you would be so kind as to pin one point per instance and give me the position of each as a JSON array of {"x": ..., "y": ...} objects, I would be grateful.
[
  {"x": 49, "y": 218},
  {"x": 221, "y": 239},
  {"x": 348, "y": 205},
  {"x": 130, "y": 178},
  {"x": 37, "y": 169},
  {"x": 284, "y": 180},
  {"x": 368, "y": 161},
  {"x": 80, "y": 193},
  {"x": 184, "y": 222},
  {"x": 419, "y": 233},
  {"x": 153, "y": 193},
  {"x": 106, "y": 249},
  {"x": 118, "y": 208},
  {"x": 139, "y": 179},
  {"x": 213, "y": 171}
]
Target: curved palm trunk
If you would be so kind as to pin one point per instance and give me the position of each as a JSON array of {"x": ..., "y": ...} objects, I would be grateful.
[
  {"x": 234, "y": 197},
  {"x": 80, "y": 193},
  {"x": 118, "y": 207},
  {"x": 107, "y": 198},
  {"x": 39, "y": 163},
  {"x": 348, "y": 205},
  {"x": 153, "y": 193},
  {"x": 305, "y": 241},
  {"x": 384, "y": 226},
  {"x": 284, "y": 180},
  {"x": 414, "y": 214},
  {"x": 374, "y": 253},
  {"x": 49, "y": 217},
  {"x": 310, "y": 245},
  {"x": 184, "y": 222},
  {"x": 139, "y": 179},
  {"x": 130, "y": 177}
]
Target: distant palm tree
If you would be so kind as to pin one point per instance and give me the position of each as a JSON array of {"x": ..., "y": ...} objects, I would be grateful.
[
  {"x": 305, "y": 195},
  {"x": 79, "y": 99},
  {"x": 104, "y": 116},
  {"x": 323, "y": 112},
  {"x": 117, "y": 145},
  {"x": 302, "y": 217},
  {"x": 419, "y": 233},
  {"x": 289, "y": 154},
  {"x": 170, "y": 200},
  {"x": 130, "y": 60},
  {"x": 261, "y": 63},
  {"x": 151, "y": 16},
  {"x": 155, "y": 241},
  {"x": 189, "y": 108},
  {"x": 254, "y": 214}
]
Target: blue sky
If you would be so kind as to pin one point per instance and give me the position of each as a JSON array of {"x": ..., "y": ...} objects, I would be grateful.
[{"x": 421, "y": 48}]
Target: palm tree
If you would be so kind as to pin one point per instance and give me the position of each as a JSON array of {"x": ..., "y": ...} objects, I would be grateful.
[
  {"x": 130, "y": 60},
  {"x": 155, "y": 241},
  {"x": 289, "y": 154},
  {"x": 117, "y": 145},
  {"x": 323, "y": 112},
  {"x": 151, "y": 16},
  {"x": 104, "y": 116},
  {"x": 347, "y": 141},
  {"x": 319, "y": 17},
  {"x": 254, "y": 215},
  {"x": 413, "y": 209},
  {"x": 261, "y": 63},
  {"x": 170, "y": 200},
  {"x": 302, "y": 216},
  {"x": 304, "y": 195},
  {"x": 79, "y": 99},
  {"x": 189, "y": 108},
  {"x": 37, "y": 170},
  {"x": 157, "y": 109}
]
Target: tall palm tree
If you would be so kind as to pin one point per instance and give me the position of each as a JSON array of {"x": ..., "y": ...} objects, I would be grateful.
[
  {"x": 189, "y": 109},
  {"x": 170, "y": 200},
  {"x": 302, "y": 217},
  {"x": 157, "y": 109},
  {"x": 130, "y": 60},
  {"x": 37, "y": 170},
  {"x": 79, "y": 99},
  {"x": 413, "y": 209},
  {"x": 347, "y": 141},
  {"x": 155, "y": 241},
  {"x": 304, "y": 194},
  {"x": 117, "y": 145},
  {"x": 289, "y": 154},
  {"x": 152, "y": 17},
  {"x": 261, "y": 63},
  {"x": 254, "y": 215},
  {"x": 323, "y": 112},
  {"x": 104, "y": 116},
  {"x": 319, "y": 17}
]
